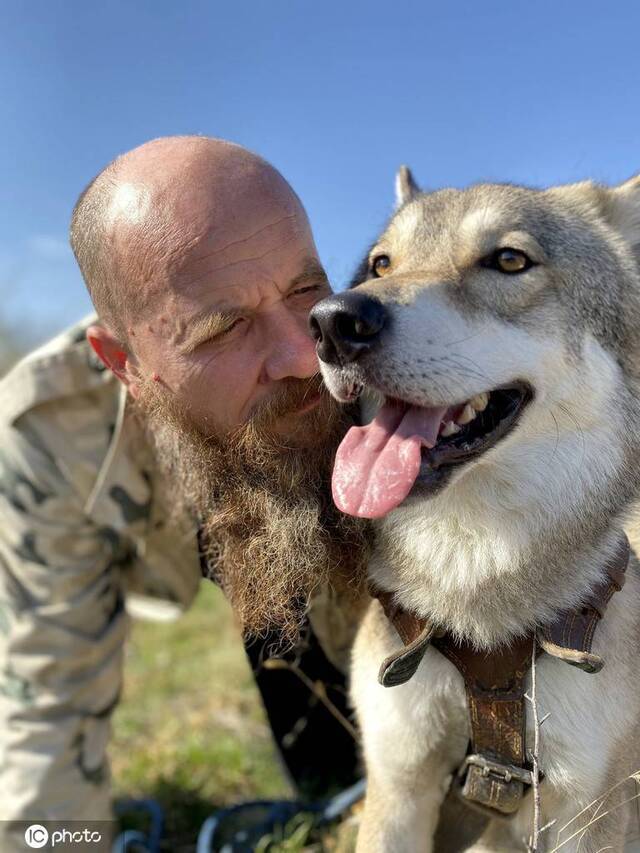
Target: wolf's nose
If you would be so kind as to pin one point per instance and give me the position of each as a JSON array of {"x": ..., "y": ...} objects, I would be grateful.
[{"x": 346, "y": 325}]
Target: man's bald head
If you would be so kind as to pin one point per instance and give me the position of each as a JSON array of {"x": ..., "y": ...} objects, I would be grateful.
[
  {"x": 201, "y": 263},
  {"x": 137, "y": 221}
]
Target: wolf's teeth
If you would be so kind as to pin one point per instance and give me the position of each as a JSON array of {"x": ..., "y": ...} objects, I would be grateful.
[
  {"x": 480, "y": 401},
  {"x": 467, "y": 415},
  {"x": 450, "y": 429}
]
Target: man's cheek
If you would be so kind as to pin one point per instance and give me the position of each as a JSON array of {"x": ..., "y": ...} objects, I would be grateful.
[{"x": 222, "y": 387}]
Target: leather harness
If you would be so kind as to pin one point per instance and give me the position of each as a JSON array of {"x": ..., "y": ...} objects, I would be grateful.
[{"x": 495, "y": 772}]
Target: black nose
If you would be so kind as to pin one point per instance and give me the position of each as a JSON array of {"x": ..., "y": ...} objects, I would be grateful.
[{"x": 346, "y": 325}]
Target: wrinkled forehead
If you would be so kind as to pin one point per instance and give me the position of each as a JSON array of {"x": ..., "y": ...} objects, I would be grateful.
[{"x": 197, "y": 233}]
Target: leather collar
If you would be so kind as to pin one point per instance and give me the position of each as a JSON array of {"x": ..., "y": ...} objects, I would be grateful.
[
  {"x": 495, "y": 773},
  {"x": 569, "y": 637}
]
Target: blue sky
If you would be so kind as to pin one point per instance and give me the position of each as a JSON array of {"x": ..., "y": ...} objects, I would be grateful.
[{"x": 335, "y": 94}]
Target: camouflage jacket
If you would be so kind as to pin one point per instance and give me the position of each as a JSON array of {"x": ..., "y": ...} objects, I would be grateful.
[
  {"x": 68, "y": 409},
  {"x": 87, "y": 533}
]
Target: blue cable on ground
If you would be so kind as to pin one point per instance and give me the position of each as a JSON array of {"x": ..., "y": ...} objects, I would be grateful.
[
  {"x": 238, "y": 828},
  {"x": 235, "y": 829},
  {"x": 134, "y": 841}
]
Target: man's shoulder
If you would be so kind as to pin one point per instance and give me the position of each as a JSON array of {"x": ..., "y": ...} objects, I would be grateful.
[
  {"x": 64, "y": 369},
  {"x": 59, "y": 413}
]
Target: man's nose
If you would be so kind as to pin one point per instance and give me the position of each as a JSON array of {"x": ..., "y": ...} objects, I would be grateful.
[
  {"x": 346, "y": 325},
  {"x": 292, "y": 351}
]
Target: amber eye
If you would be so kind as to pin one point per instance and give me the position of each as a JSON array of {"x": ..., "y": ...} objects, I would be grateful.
[
  {"x": 380, "y": 264},
  {"x": 508, "y": 261}
]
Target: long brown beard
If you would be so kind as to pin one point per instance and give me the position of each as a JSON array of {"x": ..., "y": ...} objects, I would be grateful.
[{"x": 262, "y": 499}]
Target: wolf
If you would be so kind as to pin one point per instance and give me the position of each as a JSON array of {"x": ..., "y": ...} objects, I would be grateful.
[{"x": 492, "y": 335}]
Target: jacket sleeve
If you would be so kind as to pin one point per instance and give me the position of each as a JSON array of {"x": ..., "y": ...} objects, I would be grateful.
[{"x": 62, "y": 629}]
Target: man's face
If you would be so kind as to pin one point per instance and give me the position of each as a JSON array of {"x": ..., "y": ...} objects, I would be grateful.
[
  {"x": 226, "y": 316},
  {"x": 240, "y": 419},
  {"x": 219, "y": 273}
]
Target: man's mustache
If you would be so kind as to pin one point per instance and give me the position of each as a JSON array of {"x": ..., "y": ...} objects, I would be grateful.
[{"x": 292, "y": 394}]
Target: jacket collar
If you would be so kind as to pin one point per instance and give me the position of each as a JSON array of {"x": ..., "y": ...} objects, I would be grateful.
[{"x": 122, "y": 495}]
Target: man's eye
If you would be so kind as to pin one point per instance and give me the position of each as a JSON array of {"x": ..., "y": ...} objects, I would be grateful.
[
  {"x": 310, "y": 288},
  {"x": 212, "y": 339},
  {"x": 230, "y": 327}
]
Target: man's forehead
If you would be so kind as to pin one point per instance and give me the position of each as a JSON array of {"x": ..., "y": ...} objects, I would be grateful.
[
  {"x": 241, "y": 294},
  {"x": 223, "y": 237},
  {"x": 263, "y": 251},
  {"x": 189, "y": 257}
]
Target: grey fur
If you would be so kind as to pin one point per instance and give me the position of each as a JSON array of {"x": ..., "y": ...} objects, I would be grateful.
[
  {"x": 554, "y": 508},
  {"x": 406, "y": 186}
]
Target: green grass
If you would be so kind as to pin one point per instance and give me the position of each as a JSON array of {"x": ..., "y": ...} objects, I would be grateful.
[{"x": 190, "y": 730}]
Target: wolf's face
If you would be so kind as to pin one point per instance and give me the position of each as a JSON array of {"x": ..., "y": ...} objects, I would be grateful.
[{"x": 494, "y": 334}]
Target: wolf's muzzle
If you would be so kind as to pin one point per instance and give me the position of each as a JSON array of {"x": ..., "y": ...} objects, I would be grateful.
[{"x": 346, "y": 325}]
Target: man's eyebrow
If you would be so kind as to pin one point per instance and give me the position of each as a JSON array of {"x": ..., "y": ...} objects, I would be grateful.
[
  {"x": 204, "y": 326},
  {"x": 312, "y": 271}
]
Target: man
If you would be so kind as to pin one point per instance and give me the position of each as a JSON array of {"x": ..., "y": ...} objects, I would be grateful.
[{"x": 194, "y": 402}]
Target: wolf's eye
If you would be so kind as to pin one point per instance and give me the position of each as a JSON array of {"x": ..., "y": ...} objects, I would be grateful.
[
  {"x": 380, "y": 264},
  {"x": 509, "y": 261}
]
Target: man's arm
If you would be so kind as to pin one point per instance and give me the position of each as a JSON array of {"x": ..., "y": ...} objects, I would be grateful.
[{"x": 62, "y": 627}]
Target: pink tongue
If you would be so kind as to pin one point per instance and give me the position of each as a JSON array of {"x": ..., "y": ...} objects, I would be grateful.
[{"x": 376, "y": 465}]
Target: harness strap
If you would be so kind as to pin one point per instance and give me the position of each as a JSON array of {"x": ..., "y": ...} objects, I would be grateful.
[{"x": 494, "y": 775}]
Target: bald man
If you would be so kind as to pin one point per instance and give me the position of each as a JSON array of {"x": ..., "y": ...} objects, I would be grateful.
[{"x": 184, "y": 428}]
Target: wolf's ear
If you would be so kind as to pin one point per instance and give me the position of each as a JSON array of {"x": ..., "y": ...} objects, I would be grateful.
[
  {"x": 624, "y": 210},
  {"x": 406, "y": 187}
]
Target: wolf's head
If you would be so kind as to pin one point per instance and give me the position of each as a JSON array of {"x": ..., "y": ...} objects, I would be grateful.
[
  {"x": 494, "y": 335},
  {"x": 491, "y": 327}
]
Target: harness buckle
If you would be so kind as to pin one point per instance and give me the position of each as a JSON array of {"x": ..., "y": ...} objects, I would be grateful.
[{"x": 491, "y": 787}]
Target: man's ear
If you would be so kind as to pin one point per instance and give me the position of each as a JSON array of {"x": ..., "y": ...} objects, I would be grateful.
[
  {"x": 624, "y": 211},
  {"x": 406, "y": 187},
  {"x": 112, "y": 355}
]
